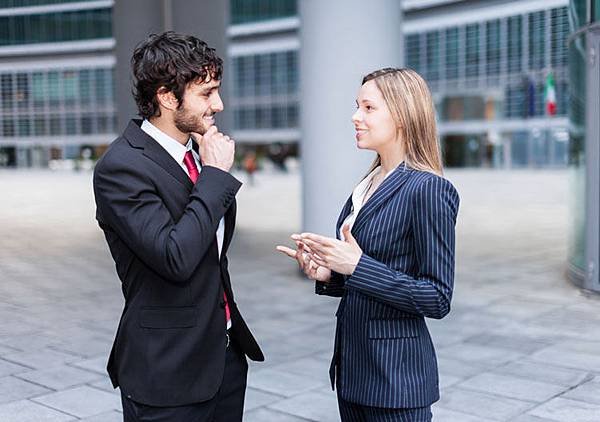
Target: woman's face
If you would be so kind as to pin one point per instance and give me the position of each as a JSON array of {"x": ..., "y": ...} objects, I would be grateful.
[{"x": 375, "y": 127}]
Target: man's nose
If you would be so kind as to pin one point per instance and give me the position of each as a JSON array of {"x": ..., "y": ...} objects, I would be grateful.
[{"x": 217, "y": 104}]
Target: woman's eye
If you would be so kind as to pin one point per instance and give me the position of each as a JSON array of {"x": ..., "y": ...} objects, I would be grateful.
[{"x": 369, "y": 108}]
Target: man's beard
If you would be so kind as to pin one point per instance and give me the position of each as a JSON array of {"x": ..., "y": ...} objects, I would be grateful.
[{"x": 186, "y": 122}]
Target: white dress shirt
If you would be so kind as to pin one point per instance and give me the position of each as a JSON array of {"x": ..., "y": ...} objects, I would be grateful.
[{"x": 178, "y": 151}]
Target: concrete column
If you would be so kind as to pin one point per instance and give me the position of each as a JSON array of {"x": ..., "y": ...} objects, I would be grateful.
[
  {"x": 340, "y": 42},
  {"x": 592, "y": 157},
  {"x": 208, "y": 20},
  {"x": 134, "y": 20}
]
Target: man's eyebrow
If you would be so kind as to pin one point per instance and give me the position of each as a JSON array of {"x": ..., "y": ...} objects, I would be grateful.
[{"x": 210, "y": 88}]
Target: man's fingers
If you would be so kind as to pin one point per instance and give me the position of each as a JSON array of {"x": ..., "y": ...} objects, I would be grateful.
[{"x": 212, "y": 130}]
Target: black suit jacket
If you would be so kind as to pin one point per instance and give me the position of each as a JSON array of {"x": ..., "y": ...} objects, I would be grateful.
[{"x": 170, "y": 346}]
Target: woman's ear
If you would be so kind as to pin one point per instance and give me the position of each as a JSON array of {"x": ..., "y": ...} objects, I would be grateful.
[{"x": 166, "y": 99}]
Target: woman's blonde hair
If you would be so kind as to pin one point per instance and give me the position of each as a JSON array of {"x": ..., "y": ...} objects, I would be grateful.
[{"x": 408, "y": 98}]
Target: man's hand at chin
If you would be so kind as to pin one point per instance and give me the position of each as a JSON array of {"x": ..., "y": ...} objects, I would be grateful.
[{"x": 215, "y": 148}]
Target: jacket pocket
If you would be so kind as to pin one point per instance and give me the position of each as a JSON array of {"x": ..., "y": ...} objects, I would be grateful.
[
  {"x": 168, "y": 317},
  {"x": 393, "y": 328}
]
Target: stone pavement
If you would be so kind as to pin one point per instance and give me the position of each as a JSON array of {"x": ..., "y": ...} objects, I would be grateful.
[{"x": 521, "y": 344}]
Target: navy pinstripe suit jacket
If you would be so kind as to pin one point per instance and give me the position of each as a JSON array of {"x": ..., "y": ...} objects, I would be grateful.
[{"x": 383, "y": 352}]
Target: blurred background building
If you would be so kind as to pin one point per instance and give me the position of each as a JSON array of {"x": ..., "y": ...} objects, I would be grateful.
[
  {"x": 489, "y": 64},
  {"x": 56, "y": 80},
  {"x": 515, "y": 82}
]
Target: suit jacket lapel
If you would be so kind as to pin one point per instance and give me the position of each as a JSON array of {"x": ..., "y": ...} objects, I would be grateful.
[
  {"x": 229, "y": 226},
  {"x": 139, "y": 139},
  {"x": 156, "y": 153},
  {"x": 345, "y": 213},
  {"x": 387, "y": 188}
]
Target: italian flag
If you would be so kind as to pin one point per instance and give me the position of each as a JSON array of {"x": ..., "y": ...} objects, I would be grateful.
[{"x": 550, "y": 95}]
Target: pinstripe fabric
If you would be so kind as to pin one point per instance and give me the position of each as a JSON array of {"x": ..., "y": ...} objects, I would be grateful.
[
  {"x": 351, "y": 412},
  {"x": 383, "y": 355}
]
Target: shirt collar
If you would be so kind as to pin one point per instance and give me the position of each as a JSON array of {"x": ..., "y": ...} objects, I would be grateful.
[{"x": 172, "y": 146}]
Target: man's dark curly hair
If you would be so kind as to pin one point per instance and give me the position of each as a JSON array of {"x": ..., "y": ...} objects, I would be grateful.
[{"x": 171, "y": 60}]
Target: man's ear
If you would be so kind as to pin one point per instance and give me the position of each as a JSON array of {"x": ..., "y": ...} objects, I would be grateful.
[{"x": 166, "y": 99}]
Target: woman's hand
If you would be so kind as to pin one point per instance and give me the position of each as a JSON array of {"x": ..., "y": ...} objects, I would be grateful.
[
  {"x": 336, "y": 255},
  {"x": 310, "y": 268}
]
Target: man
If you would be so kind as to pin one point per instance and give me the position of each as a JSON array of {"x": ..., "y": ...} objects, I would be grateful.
[{"x": 166, "y": 203}]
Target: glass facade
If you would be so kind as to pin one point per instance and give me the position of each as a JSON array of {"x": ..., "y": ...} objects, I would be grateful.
[
  {"x": 244, "y": 11},
  {"x": 54, "y": 27},
  {"x": 70, "y": 101},
  {"x": 265, "y": 90},
  {"x": 495, "y": 47},
  {"x": 4, "y": 4},
  {"x": 581, "y": 234},
  {"x": 577, "y": 153},
  {"x": 495, "y": 70}
]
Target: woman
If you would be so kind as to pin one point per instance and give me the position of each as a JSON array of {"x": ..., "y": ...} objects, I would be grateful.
[{"x": 394, "y": 264}]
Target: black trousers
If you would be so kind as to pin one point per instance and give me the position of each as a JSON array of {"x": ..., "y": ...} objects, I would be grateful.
[
  {"x": 353, "y": 412},
  {"x": 226, "y": 406}
]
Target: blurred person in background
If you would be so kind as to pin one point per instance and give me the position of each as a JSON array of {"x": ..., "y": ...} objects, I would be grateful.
[
  {"x": 393, "y": 260},
  {"x": 166, "y": 203},
  {"x": 250, "y": 166}
]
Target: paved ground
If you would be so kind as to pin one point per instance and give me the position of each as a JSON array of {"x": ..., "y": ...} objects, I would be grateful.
[{"x": 521, "y": 344}]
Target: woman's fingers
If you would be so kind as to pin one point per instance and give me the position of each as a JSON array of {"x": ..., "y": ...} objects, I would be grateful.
[
  {"x": 315, "y": 247},
  {"x": 322, "y": 240},
  {"x": 309, "y": 251},
  {"x": 287, "y": 251},
  {"x": 320, "y": 261}
]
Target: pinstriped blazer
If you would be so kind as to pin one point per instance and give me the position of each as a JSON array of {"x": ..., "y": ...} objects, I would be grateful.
[{"x": 383, "y": 354}]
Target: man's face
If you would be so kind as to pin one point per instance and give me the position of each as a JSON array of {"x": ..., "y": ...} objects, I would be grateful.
[{"x": 200, "y": 102}]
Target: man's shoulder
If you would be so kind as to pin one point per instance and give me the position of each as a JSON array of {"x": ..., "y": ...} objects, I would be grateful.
[{"x": 119, "y": 152}]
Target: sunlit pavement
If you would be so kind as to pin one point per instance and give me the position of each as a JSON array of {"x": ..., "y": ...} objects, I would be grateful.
[{"x": 520, "y": 344}]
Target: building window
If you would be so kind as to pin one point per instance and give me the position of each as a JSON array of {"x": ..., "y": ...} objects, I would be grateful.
[
  {"x": 472, "y": 55},
  {"x": 5, "y": 4},
  {"x": 492, "y": 33},
  {"x": 514, "y": 44},
  {"x": 265, "y": 90},
  {"x": 537, "y": 40},
  {"x": 433, "y": 56},
  {"x": 243, "y": 11},
  {"x": 58, "y": 102},
  {"x": 412, "y": 51},
  {"x": 6, "y": 87},
  {"x": 452, "y": 52},
  {"x": 39, "y": 92},
  {"x": 56, "y": 27},
  {"x": 559, "y": 24},
  {"x": 22, "y": 92}
]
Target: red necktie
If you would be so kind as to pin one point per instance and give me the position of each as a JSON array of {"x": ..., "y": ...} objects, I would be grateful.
[{"x": 190, "y": 164}]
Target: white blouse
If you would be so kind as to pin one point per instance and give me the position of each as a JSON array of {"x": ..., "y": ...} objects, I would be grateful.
[{"x": 358, "y": 197}]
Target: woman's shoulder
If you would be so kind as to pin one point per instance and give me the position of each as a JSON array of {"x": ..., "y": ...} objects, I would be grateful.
[
  {"x": 420, "y": 179},
  {"x": 428, "y": 183}
]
